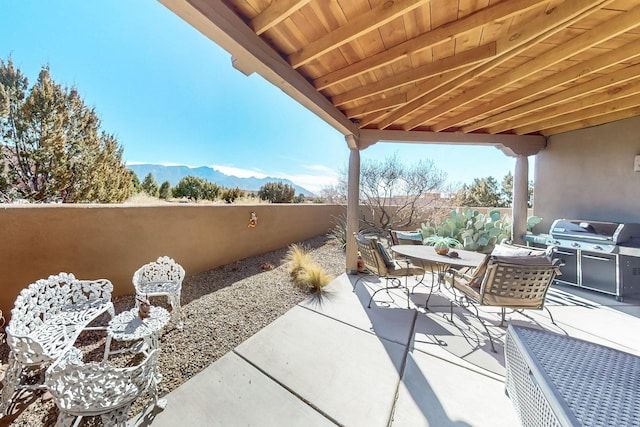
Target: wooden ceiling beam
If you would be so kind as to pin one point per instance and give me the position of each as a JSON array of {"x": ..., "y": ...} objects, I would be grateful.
[
  {"x": 514, "y": 145},
  {"x": 451, "y": 63},
  {"x": 590, "y": 106},
  {"x": 275, "y": 13},
  {"x": 375, "y": 106},
  {"x": 442, "y": 34},
  {"x": 531, "y": 112},
  {"x": 512, "y": 44},
  {"x": 582, "y": 69},
  {"x": 593, "y": 121},
  {"x": 386, "y": 12},
  {"x": 428, "y": 88},
  {"x": 563, "y": 51}
]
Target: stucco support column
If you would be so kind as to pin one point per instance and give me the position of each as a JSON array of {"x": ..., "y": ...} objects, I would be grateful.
[
  {"x": 520, "y": 199},
  {"x": 353, "y": 204}
]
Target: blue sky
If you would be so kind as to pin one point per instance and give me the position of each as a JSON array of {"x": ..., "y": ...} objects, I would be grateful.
[{"x": 171, "y": 96}]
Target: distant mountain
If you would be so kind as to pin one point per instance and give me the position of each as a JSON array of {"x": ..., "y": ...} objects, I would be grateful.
[{"x": 174, "y": 174}]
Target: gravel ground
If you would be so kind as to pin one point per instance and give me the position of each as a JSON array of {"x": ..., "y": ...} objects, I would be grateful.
[{"x": 221, "y": 308}]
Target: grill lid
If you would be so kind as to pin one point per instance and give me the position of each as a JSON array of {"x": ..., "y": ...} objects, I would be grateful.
[{"x": 599, "y": 231}]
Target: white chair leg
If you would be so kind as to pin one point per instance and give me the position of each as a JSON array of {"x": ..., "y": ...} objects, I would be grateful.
[
  {"x": 67, "y": 420},
  {"x": 117, "y": 417},
  {"x": 176, "y": 312},
  {"x": 10, "y": 383}
]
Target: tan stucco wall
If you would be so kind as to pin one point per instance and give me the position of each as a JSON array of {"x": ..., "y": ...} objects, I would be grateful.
[
  {"x": 588, "y": 174},
  {"x": 100, "y": 241}
]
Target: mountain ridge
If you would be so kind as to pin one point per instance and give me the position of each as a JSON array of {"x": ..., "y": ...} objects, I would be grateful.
[{"x": 173, "y": 174}]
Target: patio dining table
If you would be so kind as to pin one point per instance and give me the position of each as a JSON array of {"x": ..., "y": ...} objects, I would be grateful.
[{"x": 439, "y": 264}]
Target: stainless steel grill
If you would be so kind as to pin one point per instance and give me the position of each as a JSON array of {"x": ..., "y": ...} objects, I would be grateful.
[{"x": 598, "y": 255}]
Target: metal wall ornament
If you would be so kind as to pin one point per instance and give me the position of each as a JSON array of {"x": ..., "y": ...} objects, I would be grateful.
[{"x": 253, "y": 220}]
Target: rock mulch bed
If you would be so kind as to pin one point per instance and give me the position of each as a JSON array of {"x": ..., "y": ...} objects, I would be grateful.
[{"x": 221, "y": 308}]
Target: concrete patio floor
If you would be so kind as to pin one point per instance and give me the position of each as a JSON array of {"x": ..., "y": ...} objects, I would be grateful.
[{"x": 330, "y": 361}]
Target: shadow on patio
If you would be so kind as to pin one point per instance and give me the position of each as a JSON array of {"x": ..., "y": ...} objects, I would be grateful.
[{"x": 331, "y": 361}]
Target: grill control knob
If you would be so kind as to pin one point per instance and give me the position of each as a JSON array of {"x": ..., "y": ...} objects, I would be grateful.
[
  {"x": 575, "y": 245},
  {"x": 597, "y": 247}
]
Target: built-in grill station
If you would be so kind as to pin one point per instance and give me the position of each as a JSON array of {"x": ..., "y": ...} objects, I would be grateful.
[{"x": 602, "y": 256}]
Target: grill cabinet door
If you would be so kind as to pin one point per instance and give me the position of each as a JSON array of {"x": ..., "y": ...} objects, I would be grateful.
[
  {"x": 599, "y": 272},
  {"x": 570, "y": 268}
]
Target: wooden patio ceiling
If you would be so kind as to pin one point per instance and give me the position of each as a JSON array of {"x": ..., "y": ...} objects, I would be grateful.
[{"x": 475, "y": 69}]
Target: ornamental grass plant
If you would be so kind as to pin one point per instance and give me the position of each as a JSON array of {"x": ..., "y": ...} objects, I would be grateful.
[{"x": 306, "y": 274}]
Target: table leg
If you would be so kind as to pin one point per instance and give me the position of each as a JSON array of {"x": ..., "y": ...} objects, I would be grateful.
[
  {"x": 107, "y": 349},
  {"x": 439, "y": 270}
]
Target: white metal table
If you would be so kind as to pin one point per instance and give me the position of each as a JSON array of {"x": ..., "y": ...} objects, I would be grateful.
[{"x": 128, "y": 326}]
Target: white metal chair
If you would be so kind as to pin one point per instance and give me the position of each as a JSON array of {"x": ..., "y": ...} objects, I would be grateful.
[
  {"x": 47, "y": 318},
  {"x": 162, "y": 277},
  {"x": 97, "y": 389}
]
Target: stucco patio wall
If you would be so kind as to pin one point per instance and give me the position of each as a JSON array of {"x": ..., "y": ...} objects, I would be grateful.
[
  {"x": 106, "y": 241},
  {"x": 588, "y": 174}
]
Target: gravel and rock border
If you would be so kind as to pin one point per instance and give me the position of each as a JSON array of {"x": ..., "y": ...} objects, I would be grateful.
[{"x": 221, "y": 308}]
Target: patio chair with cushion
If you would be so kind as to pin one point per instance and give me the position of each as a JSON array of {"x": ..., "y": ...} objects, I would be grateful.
[
  {"x": 47, "y": 318},
  {"x": 162, "y": 277},
  {"x": 93, "y": 389},
  {"x": 516, "y": 282},
  {"x": 399, "y": 237},
  {"x": 379, "y": 263}
]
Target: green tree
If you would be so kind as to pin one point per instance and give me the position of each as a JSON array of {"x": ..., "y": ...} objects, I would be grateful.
[
  {"x": 53, "y": 147},
  {"x": 506, "y": 196},
  {"x": 135, "y": 186},
  {"x": 277, "y": 192},
  {"x": 299, "y": 198},
  {"x": 165, "y": 190},
  {"x": 210, "y": 191},
  {"x": 150, "y": 186},
  {"x": 190, "y": 187},
  {"x": 507, "y": 191},
  {"x": 230, "y": 195},
  {"x": 483, "y": 192}
]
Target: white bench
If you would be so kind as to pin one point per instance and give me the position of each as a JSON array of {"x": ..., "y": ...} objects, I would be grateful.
[{"x": 47, "y": 318}]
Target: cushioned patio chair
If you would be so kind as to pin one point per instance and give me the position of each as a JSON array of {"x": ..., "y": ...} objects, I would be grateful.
[
  {"x": 380, "y": 264},
  {"x": 399, "y": 237},
  {"x": 162, "y": 277},
  {"x": 516, "y": 282}
]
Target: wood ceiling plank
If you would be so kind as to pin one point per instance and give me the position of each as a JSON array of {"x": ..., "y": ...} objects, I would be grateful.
[
  {"x": 593, "y": 121},
  {"x": 580, "y": 43},
  {"x": 375, "y": 106},
  {"x": 424, "y": 41},
  {"x": 363, "y": 24},
  {"x": 529, "y": 113},
  {"x": 426, "y": 89},
  {"x": 455, "y": 62},
  {"x": 542, "y": 85},
  {"x": 275, "y": 13},
  {"x": 622, "y": 96},
  {"x": 512, "y": 44}
]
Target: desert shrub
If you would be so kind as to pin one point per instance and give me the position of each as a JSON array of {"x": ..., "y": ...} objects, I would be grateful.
[
  {"x": 165, "y": 190},
  {"x": 306, "y": 274},
  {"x": 277, "y": 192},
  {"x": 230, "y": 195},
  {"x": 150, "y": 186}
]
